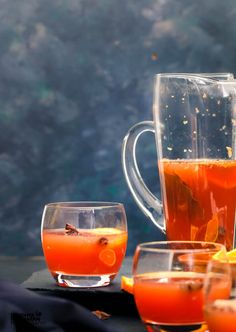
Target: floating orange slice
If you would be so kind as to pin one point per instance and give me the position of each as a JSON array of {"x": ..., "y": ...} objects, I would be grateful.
[
  {"x": 212, "y": 229},
  {"x": 106, "y": 231},
  {"x": 127, "y": 284},
  {"x": 108, "y": 257}
]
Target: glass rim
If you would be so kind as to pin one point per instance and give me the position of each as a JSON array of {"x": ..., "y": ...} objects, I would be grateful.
[
  {"x": 95, "y": 205},
  {"x": 150, "y": 246},
  {"x": 208, "y": 77},
  {"x": 201, "y": 74}
]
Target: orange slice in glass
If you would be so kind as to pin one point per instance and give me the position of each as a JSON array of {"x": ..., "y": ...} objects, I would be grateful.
[
  {"x": 108, "y": 257},
  {"x": 106, "y": 231},
  {"x": 127, "y": 284}
]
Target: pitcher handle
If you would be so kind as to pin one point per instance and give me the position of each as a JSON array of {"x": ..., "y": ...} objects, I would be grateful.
[{"x": 150, "y": 205}]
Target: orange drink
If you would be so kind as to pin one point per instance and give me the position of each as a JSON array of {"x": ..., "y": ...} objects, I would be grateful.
[
  {"x": 220, "y": 308},
  {"x": 199, "y": 199},
  {"x": 84, "y": 243},
  {"x": 92, "y": 252},
  {"x": 170, "y": 298},
  {"x": 221, "y": 316},
  {"x": 169, "y": 283}
]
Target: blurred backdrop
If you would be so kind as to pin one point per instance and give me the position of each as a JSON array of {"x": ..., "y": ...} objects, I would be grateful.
[{"x": 75, "y": 75}]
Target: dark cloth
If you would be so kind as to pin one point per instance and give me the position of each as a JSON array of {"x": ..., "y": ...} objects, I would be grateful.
[{"x": 22, "y": 310}]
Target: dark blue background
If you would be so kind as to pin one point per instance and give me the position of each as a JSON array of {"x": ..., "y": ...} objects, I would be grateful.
[{"x": 74, "y": 76}]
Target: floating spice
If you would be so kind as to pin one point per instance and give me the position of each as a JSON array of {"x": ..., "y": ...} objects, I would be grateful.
[
  {"x": 71, "y": 229},
  {"x": 103, "y": 240},
  {"x": 191, "y": 285}
]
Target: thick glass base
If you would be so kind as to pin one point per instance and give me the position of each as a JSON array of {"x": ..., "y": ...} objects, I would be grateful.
[
  {"x": 84, "y": 281},
  {"x": 171, "y": 328}
]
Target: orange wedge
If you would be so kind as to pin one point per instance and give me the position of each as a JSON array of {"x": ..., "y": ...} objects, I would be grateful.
[
  {"x": 231, "y": 255},
  {"x": 108, "y": 257},
  {"x": 127, "y": 284},
  {"x": 203, "y": 328},
  {"x": 220, "y": 255}
]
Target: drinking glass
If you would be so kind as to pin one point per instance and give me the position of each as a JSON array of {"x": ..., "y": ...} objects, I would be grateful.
[
  {"x": 168, "y": 283},
  {"x": 220, "y": 303},
  {"x": 195, "y": 130},
  {"x": 84, "y": 243}
]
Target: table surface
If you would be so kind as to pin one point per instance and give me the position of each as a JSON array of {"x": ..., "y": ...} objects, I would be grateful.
[{"x": 32, "y": 273}]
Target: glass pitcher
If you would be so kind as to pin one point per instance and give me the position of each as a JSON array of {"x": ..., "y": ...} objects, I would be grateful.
[{"x": 194, "y": 122}]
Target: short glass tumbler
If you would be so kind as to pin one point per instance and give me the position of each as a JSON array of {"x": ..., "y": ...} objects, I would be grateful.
[
  {"x": 220, "y": 305},
  {"x": 84, "y": 243},
  {"x": 168, "y": 283}
]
